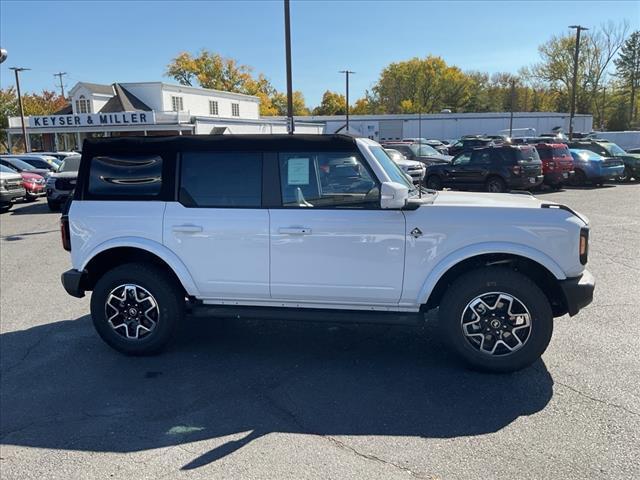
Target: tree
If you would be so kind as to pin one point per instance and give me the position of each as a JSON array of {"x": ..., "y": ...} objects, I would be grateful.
[
  {"x": 8, "y": 108},
  {"x": 279, "y": 102},
  {"x": 628, "y": 71},
  {"x": 332, "y": 103}
]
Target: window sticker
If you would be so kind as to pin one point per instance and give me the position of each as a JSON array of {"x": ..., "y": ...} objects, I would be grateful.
[{"x": 298, "y": 171}]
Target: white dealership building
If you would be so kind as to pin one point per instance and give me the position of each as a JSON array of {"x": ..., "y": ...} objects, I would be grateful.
[{"x": 148, "y": 108}]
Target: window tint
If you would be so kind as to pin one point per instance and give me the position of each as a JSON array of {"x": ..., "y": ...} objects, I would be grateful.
[
  {"x": 329, "y": 180},
  {"x": 462, "y": 159},
  {"x": 528, "y": 155},
  {"x": 481, "y": 158},
  {"x": 544, "y": 153},
  {"x": 38, "y": 163},
  {"x": 221, "y": 179},
  {"x": 558, "y": 152},
  {"x": 131, "y": 175}
]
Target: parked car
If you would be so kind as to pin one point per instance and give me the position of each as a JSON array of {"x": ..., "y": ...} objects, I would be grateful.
[
  {"x": 633, "y": 150},
  {"x": 416, "y": 170},
  {"x": 468, "y": 143},
  {"x": 594, "y": 168},
  {"x": 33, "y": 185},
  {"x": 440, "y": 147},
  {"x": 22, "y": 166},
  {"x": 44, "y": 162},
  {"x": 59, "y": 155},
  {"x": 419, "y": 152},
  {"x": 249, "y": 226},
  {"x": 611, "y": 150},
  {"x": 61, "y": 184},
  {"x": 11, "y": 188},
  {"x": 557, "y": 163},
  {"x": 494, "y": 169}
]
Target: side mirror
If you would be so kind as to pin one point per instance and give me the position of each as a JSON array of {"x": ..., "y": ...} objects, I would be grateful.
[{"x": 393, "y": 195}]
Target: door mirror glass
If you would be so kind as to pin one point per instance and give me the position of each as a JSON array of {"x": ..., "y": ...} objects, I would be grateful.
[{"x": 393, "y": 195}]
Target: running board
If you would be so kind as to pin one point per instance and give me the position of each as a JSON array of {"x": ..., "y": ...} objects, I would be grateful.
[{"x": 306, "y": 314}]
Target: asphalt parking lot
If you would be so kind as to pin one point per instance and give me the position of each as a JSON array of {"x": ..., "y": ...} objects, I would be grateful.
[{"x": 248, "y": 399}]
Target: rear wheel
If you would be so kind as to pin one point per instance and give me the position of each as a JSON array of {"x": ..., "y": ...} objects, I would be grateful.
[
  {"x": 496, "y": 319},
  {"x": 135, "y": 308},
  {"x": 434, "y": 182},
  {"x": 496, "y": 185},
  {"x": 579, "y": 178}
]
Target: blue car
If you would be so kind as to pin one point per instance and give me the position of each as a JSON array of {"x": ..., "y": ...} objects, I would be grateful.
[{"x": 591, "y": 167}]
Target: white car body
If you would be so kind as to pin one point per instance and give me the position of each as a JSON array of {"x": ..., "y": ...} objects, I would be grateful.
[{"x": 323, "y": 258}]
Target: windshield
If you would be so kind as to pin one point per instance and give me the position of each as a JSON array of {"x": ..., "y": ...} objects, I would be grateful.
[
  {"x": 614, "y": 149},
  {"x": 5, "y": 169},
  {"x": 426, "y": 151},
  {"x": 393, "y": 171},
  {"x": 70, "y": 164},
  {"x": 585, "y": 155},
  {"x": 527, "y": 155},
  {"x": 20, "y": 164}
]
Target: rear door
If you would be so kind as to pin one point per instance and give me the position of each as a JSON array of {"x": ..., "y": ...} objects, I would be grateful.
[
  {"x": 330, "y": 241},
  {"x": 475, "y": 171},
  {"x": 218, "y": 227}
]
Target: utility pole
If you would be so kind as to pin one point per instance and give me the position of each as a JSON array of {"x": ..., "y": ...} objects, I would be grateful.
[
  {"x": 604, "y": 101},
  {"x": 287, "y": 42},
  {"x": 17, "y": 71},
  {"x": 578, "y": 29},
  {"x": 346, "y": 75},
  {"x": 513, "y": 101},
  {"x": 60, "y": 75}
]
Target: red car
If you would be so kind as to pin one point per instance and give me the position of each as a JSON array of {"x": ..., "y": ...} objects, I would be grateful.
[
  {"x": 33, "y": 185},
  {"x": 557, "y": 163}
]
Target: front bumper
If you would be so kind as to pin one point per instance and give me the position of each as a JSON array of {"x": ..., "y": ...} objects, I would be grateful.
[
  {"x": 578, "y": 291},
  {"x": 10, "y": 196},
  {"x": 72, "y": 281},
  {"x": 57, "y": 195}
]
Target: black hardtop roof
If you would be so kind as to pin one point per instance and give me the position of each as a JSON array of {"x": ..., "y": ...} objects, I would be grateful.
[{"x": 236, "y": 143}]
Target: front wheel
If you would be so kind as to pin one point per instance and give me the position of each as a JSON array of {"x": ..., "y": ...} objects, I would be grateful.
[
  {"x": 135, "y": 308},
  {"x": 626, "y": 175},
  {"x": 53, "y": 205},
  {"x": 434, "y": 182},
  {"x": 496, "y": 319},
  {"x": 5, "y": 207}
]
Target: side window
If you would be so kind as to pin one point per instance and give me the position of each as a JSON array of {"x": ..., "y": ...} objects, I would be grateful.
[
  {"x": 131, "y": 175},
  {"x": 326, "y": 179},
  {"x": 481, "y": 158},
  {"x": 221, "y": 179},
  {"x": 462, "y": 159}
]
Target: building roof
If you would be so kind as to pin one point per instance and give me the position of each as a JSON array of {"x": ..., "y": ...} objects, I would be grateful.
[
  {"x": 123, "y": 101},
  {"x": 66, "y": 110},
  {"x": 97, "y": 88}
]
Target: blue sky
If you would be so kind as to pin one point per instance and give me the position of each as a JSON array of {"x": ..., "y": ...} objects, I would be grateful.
[{"x": 120, "y": 41}]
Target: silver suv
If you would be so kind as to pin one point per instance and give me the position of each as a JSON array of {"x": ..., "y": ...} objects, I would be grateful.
[{"x": 60, "y": 185}]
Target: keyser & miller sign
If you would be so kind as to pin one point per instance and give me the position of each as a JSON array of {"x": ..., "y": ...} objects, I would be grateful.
[{"x": 93, "y": 119}]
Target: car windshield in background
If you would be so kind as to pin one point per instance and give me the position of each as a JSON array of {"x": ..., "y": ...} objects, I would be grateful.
[
  {"x": 588, "y": 155},
  {"x": 5, "y": 169},
  {"x": 393, "y": 171},
  {"x": 614, "y": 149},
  {"x": 70, "y": 164},
  {"x": 427, "y": 150},
  {"x": 22, "y": 165}
]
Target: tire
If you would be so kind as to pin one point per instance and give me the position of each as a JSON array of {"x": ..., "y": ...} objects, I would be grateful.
[
  {"x": 29, "y": 198},
  {"x": 53, "y": 205},
  {"x": 579, "y": 178},
  {"x": 496, "y": 185},
  {"x": 167, "y": 313},
  {"x": 434, "y": 182},
  {"x": 626, "y": 175},
  {"x": 455, "y": 311},
  {"x": 6, "y": 207}
]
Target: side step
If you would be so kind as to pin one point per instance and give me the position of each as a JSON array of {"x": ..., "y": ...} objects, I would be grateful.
[{"x": 306, "y": 314}]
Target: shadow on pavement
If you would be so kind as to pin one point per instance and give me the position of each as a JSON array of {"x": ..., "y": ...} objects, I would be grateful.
[
  {"x": 29, "y": 208},
  {"x": 62, "y": 388}
]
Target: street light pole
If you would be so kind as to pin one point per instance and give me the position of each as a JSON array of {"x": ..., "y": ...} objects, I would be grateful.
[
  {"x": 346, "y": 74},
  {"x": 287, "y": 41},
  {"x": 513, "y": 98},
  {"x": 578, "y": 29},
  {"x": 17, "y": 71}
]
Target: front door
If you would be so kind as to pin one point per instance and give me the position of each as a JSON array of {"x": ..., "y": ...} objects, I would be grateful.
[
  {"x": 218, "y": 228},
  {"x": 330, "y": 241}
]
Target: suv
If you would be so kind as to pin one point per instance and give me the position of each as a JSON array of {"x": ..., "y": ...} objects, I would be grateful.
[
  {"x": 608, "y": 149},
  {"x": 494, "y": 169},
  {"x": 323, "y": 227},
  {"x": 419, "y": 152},
  {"x": 416, "y": 170},
  {"x": 61, "y": 184},
  {"x": 11, "y": 188},
  {"x": 468, "y": 143},
  {"x": 557, "y": 163}
]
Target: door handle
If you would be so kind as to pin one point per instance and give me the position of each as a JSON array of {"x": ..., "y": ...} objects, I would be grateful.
[
  {"x": 295, "y": 231},
  {"x": 187, "y": 228}
]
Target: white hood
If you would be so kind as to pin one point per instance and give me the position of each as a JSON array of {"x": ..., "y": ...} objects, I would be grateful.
[{"x": 480, "y": 199}]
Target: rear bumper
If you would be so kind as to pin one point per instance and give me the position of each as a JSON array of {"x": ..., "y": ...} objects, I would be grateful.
[
  {"x": 72, "y": 281},
  {"x": 524, "y": 182},
  {"x": 578, "y": 291},
  {"x": 555, "y": 178}
]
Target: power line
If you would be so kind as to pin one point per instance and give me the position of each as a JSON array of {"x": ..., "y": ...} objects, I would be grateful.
[{"x": 60, "y": 75}]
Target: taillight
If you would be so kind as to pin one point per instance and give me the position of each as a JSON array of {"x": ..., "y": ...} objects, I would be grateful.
[
  {"x": 516, "y": 169},
  {"x": 584, "y": 245},
  {"x": 551, "y": 165},
  {"x": 65, "y": 234}
]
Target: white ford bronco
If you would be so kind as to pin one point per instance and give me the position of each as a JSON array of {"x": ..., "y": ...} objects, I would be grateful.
[{"x": 322, "y": 227}]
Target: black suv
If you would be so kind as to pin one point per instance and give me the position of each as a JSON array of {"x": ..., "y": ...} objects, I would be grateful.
[{"x": 495, "y": 169}]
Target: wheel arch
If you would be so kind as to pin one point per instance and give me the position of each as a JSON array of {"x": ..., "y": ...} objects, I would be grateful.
[
  {"x": 545, "y": 272},
  {"x": 124, "y": 250}
]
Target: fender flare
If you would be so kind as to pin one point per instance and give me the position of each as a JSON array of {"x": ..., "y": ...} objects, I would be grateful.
[
  {"x": 477, "y": 249},
  {"x": 159, "y": 250}
]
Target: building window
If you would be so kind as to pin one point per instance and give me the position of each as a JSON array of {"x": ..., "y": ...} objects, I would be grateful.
[
  {"x": 213, "y": 107},
  {"x": 83, "y": 105},
  {"x": 176, "y": 104},
  {"x": 235, "y": 109}
]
